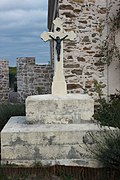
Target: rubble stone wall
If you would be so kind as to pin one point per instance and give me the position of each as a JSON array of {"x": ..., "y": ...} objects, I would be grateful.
[
  {"x": 33, "y": 79},
  {"x": 4, "y": 81},
  {"x": 89, "y": 19}
]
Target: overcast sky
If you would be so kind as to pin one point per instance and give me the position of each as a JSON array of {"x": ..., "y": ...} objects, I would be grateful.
[{"x": 21, "y": 23}]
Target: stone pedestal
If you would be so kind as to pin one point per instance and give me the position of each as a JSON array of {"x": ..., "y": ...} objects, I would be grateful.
[
  {"x": 50, "y": 109},
  {"x": 49, "y": 144},
  {"x": 51, "y": 133}
]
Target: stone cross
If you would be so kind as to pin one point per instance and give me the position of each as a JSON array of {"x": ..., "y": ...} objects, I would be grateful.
[{"x": 59, "y": 86}]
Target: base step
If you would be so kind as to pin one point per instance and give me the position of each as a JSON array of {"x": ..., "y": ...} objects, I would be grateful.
[{"x": 47, "y": 144}]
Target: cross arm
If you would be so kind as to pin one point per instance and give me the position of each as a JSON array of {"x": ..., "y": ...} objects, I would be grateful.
[
  {"x": 52, "y": 37},
  {"x": 46, "y": 36},
  {"x": 64, "y": 37},
  {"x": 69, "y": 35}
]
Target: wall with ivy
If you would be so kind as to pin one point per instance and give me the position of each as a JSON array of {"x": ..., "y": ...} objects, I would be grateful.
[{"x": 90, "y": 56}]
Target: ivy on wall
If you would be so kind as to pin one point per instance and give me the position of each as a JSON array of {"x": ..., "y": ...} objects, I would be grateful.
[{"x": 109, "y": 50}]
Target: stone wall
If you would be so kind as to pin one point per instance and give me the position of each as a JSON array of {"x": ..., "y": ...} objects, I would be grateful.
[
  {"x": 89, "y": 19},
  {"x": 4, "y": 81},
  {"x": 33, "y": 79}
]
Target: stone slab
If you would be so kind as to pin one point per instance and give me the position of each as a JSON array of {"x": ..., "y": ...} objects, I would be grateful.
[
  {"x": 48, "y": 144},
  {"x": 50, "y": 109}
]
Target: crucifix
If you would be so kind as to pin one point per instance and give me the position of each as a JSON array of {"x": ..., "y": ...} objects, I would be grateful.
[{"x": 59, "y": 86}]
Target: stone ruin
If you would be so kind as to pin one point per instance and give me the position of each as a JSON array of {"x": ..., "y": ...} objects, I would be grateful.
[
  {"x": 33, "y": 79},
  {"x": 4, "y": 81}
]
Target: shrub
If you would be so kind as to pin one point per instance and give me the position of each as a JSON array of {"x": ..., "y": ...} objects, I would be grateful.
[
  {"x": 106, "y": 144},
  {"x": 108, "y": 113},
  {"x": 9, "y": 110},
  {"x": 106, "y": 147}
]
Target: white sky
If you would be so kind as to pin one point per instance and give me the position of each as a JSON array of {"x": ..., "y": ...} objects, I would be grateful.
[{"x": 21, "y": 23}]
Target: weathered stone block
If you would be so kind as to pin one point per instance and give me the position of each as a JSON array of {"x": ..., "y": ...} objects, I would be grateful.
[
  {"x": 68, "y": 109},
  {"x": 49, "y": 144}
]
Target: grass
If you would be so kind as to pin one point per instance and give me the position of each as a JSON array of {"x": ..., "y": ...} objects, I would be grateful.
[{"x": 9, "y": 110}]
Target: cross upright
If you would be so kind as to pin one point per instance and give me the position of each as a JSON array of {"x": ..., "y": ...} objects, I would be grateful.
[{"x": 59, "y": 86}]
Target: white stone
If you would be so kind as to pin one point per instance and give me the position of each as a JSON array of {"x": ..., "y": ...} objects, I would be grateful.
[
  {"x": 69, "y": 109},
  {"x": 24, "y": 144},
  {"x": 59, "y": 85}
]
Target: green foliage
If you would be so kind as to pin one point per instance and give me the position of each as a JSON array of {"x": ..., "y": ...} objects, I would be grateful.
[
  {"x": 106, "y": 147},
  {"x": 3, "y": 176},
  {"x": 67, "y": 177},
  {"x": 108, "y": 113},
  {"x": 39, "y": 90},
  {"x": 106, "y": 144},
  {"x": 98, "y": 89},
  {"x": 23, "y": 176},
  {"x": 13, "y": 70},
  {"x": 109, "y": 50},
  {"x": 9, "y": 110},
  {"x": 12, "y": 75}
]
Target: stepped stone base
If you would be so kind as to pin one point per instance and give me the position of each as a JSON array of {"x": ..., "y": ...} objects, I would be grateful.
[
  {"x": 49, "y": 144},
  {"x": 67, "y": 109}
]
